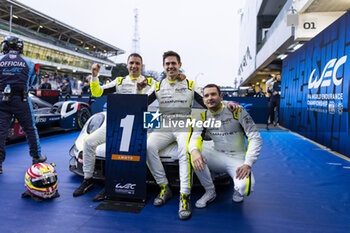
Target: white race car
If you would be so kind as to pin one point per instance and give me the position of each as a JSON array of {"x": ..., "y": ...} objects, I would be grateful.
[{"x": 64, "y": 114}]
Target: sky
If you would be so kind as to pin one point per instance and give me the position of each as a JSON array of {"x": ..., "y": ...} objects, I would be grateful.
[{"x": 204, "y": 33}]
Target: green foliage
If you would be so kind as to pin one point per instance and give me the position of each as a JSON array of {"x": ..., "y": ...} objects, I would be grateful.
[{"x": 120, "y": 70}]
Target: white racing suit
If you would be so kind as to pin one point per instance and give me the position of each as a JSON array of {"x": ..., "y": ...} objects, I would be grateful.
[
  {"x": 121, "y": 85},
  {"x": 175, "y": 100},
  {"x": 229, "y": 151}
]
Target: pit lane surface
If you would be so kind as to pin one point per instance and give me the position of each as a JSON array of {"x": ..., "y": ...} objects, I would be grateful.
[{"x": 300, "y": 187}]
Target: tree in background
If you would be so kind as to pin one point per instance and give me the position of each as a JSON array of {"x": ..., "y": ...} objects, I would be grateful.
[
  {"x": 120, "y": 70},
  {"x": 152, "y": 74}
]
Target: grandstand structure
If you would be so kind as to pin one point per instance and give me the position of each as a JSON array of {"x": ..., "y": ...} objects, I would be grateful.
[{"x": 58, "y": 48}]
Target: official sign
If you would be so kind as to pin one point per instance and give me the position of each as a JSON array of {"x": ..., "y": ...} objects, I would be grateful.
[{"x": 312, "y": 23}]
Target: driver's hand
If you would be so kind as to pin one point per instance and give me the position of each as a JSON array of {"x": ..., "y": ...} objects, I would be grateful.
[
  {"x": 234, "y": 106},
  {"x": 141, "y": 83},
  {"x": 198, "y": 160},
  {"x": 243, "y": 172},
  {"x": 95, "y": 69},
  {"x": 181, "y": 77}
]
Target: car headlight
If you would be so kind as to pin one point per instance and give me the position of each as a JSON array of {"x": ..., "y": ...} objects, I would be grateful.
[
  {"x": 74, "y": 151},
  {"x": 95, "y": 123}
]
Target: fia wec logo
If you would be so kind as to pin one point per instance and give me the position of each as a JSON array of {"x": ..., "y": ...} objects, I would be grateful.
[
  {"x": 128, "y": 188},
  {"x": 329, "y": 73}
]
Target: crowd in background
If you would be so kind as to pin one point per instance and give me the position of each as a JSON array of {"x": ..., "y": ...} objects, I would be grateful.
[
  {"x": 75, "y": 86},
  {"x": 65, "y": 84}
]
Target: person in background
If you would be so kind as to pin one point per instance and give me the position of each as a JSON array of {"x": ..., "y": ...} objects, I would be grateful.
[
  {"x": 66, "y": 88},
  {"x": 274, "y": 99},
  {"x": 86, "y": 86},
  {"x": 260, "y": 93},
  {"x": 250, "y": 91},
  {"x": 45, "y": 83}
]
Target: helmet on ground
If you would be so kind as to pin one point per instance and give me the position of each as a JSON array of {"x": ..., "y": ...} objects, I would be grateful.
[
  {"x": 12, "y": 43},
  {"x": 41, "y": 180}
]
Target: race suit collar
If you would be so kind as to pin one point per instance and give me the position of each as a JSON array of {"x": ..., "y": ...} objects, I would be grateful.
[
  {"x": 134, "y": 78},
  {"x": 213, "y": 113},
  {"x": 170, "y": 80}
]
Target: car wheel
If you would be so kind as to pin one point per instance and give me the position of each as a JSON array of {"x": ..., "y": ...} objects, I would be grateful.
[{"x": 83, "y": 116}]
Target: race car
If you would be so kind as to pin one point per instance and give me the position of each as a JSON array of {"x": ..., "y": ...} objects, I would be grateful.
[
  {"x": 65, "y": 114},
  {"x": 168, "y": 157}
]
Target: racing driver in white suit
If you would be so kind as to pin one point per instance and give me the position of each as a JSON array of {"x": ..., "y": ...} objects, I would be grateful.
[
  {"x": 134, "y": 83},
  {"x": 229, "y": 152},
  {"x": 175, "y": 97}
]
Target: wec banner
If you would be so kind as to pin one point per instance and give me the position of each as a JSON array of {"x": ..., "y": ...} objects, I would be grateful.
[
  {"x": 256, "y": 107},
  {"x": 315, "y": 88},
  {"x": 126, "y": 147}
]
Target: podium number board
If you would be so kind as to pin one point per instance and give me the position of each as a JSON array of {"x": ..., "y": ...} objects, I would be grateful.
[{"x": 126, "y": 147}]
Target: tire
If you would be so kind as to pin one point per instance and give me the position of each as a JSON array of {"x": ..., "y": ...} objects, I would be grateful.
[{"x": 83, "y": 116}]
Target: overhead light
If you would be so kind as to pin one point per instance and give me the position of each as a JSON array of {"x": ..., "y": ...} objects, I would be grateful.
[
  {"x": 87, "y": 47},
  {"x": 81, "y": 42},
  {"x": 104, "y": 51},
  {"x": 257, "y": 83},
  {"x": 282, "y": 56},
  {"x": 15, "y": 16},
  {"x": 58, "y": 68},
  {"x": 264, "y": 80},
  {"x": 74, "y": 71},
  {"x": 291, "y": 47},
  {"x": 94, "y": 47},
  {"x": 40, "y": 26},
  {"x": 297, "y": 46}
]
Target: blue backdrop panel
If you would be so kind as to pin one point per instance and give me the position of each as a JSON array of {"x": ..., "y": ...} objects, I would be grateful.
[
  {"x": 99, "y": 104},
  {"x": 126, "y": 147},
  {"x": 315, "y": 88},
  {"x": 257, "y": 107}
]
